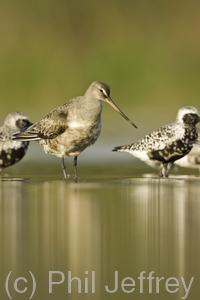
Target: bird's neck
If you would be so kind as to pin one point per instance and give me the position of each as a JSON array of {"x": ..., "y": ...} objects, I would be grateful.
[{"x": 93, "y": 106}]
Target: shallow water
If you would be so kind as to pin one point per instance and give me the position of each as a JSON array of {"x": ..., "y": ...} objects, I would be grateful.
[{"x": 100, "y": 230}]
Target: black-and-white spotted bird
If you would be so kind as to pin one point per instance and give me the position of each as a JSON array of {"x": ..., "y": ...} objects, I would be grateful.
[
  {"x": 168, "y": 143},
  {"x": 12, "y": 151}
]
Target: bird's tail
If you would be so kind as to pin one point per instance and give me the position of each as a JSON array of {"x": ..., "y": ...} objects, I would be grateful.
[{"x": 26, "y": 136}]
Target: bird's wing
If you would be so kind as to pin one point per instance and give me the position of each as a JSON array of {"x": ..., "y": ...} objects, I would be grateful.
[
  {"x": 159, "y": 138},
  {"x": 54, "y": 124}
]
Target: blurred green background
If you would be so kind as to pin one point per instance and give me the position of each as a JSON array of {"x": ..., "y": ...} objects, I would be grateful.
[{"x": 147, "y": 51}]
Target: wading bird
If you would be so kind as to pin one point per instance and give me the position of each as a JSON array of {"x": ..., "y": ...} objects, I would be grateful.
[
  {"x": 168, "y": 143},
  {"x": 70, "y": 128}
]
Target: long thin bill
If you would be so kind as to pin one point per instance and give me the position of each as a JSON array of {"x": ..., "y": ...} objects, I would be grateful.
[{"x": 109, "y": 100}]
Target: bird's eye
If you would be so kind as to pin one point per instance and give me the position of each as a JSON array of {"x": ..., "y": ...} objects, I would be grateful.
[{"x": 101, "y": 90}]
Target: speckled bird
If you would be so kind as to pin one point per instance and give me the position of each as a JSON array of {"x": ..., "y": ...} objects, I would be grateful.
[
  {"x": 70, "y": 128},
  {"x": 12, "y": 151},
  {"x": 168, "y": 143}
]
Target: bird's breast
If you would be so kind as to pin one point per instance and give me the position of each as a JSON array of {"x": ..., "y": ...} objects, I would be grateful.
[
  {"x": 81, "y": 130},
  {"x": 77, "y": 137},
  {"x": 78, "y": 124}
]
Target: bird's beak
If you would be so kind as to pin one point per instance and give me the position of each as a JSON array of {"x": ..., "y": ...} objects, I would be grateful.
[
  {"x": 29, "y": 124},
  {"x": 109, "y": 101}
]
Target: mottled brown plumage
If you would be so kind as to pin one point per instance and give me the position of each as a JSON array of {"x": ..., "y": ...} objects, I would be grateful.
[{"x": 70, "y": 128}]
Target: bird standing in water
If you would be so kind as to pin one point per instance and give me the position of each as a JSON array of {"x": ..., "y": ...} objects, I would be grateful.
[
  {"x": 12, "y": 151},
  {"x": 70, "y": 128},
  {"x": 168, "y": 143}
]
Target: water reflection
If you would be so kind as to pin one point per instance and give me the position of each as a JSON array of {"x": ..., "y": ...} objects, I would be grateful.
[{"x": 128, "y": 225}]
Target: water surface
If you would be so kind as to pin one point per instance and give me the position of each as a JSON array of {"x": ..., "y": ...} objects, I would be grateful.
[{"x": 100, "y": 230}]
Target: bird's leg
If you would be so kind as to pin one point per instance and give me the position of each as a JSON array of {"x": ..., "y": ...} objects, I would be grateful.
[
  {"x": 75, "y": 168},
  {"x": 164, "y": 169},
  {"x": 63, "y": 169},
  {"x": 168, "y": 167},
  {"x": 161, "y": 172}
]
